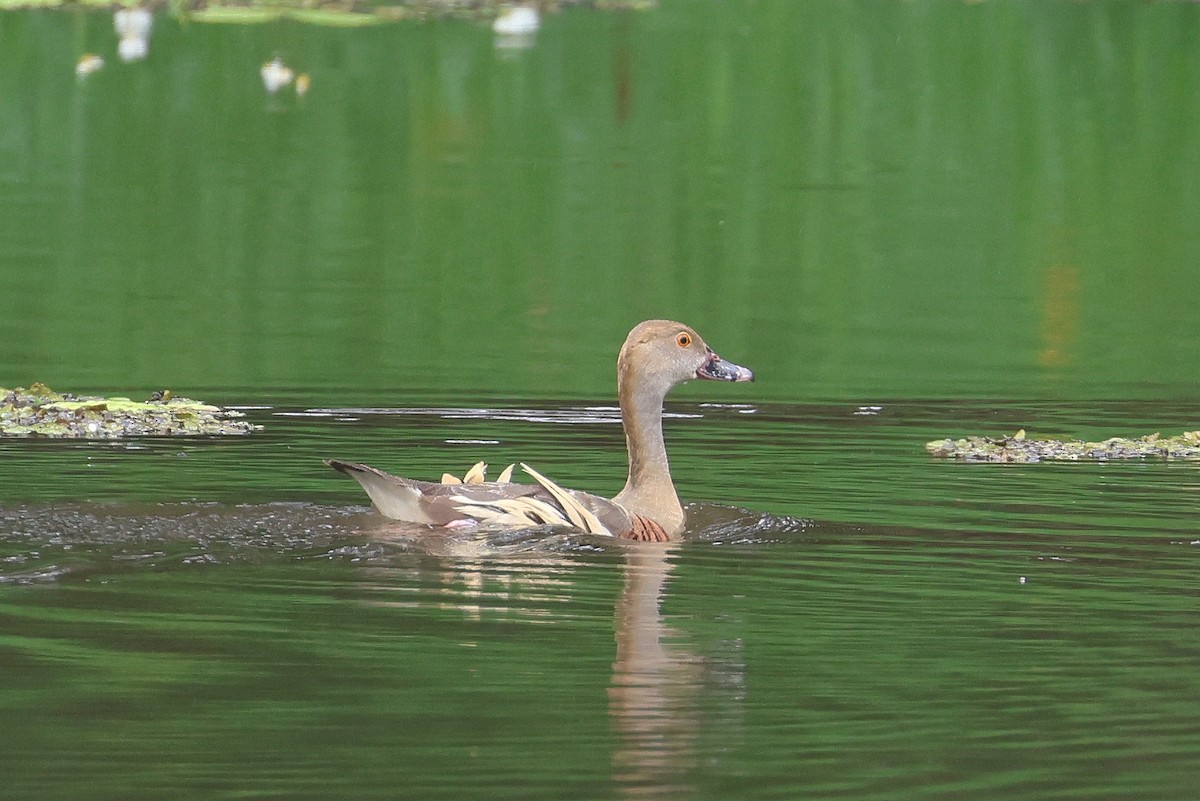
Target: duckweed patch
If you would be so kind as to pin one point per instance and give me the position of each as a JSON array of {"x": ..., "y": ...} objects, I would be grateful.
[
  {"x": 41, "y": 412},
  {"x": 1019, "y": 448}
]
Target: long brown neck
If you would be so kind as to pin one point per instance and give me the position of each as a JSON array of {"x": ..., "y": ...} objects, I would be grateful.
[{"x": 649, "y": 490}]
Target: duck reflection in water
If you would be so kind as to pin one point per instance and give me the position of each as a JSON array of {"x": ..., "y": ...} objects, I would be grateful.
[
  {"x": 655, "y": 697},
  {"x": 661, "y": 694}
]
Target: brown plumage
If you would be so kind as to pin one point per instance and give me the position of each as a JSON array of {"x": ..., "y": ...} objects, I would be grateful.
[
  {"x": 646, "y": 530},
  {"x": 656, "y": 356}
]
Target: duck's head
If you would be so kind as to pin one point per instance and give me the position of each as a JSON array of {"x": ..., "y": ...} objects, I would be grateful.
[{"x": 658, "y": 354}]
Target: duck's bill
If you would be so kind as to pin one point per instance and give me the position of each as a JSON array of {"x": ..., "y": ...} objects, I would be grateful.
[{"x": 717, "y": 369}]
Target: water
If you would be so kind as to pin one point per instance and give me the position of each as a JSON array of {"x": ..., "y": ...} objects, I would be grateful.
[
  {"x": 911, "y": 220},
  {"x": 847, "y": 616}
]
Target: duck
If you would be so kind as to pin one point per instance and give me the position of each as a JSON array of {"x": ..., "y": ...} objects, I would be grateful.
[{"x": 657, "y": 356}]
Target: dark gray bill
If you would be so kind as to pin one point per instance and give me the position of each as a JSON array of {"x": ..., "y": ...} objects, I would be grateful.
[{"x": 717, "y": 369}]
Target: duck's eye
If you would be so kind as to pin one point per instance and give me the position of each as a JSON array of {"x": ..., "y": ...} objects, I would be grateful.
[{"x": 683, "y": 339}]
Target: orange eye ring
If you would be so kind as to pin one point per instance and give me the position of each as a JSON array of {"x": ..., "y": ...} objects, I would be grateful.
[{"x": 684, "y": 339}]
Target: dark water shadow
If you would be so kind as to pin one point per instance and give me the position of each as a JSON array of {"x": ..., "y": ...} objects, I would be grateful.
[{"x": 46, "y": 542}]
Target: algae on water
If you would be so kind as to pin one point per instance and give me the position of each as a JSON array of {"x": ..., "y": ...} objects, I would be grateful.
[
  {"x": 1019, "y": 448},
  {"x": 41, "y": 412}
]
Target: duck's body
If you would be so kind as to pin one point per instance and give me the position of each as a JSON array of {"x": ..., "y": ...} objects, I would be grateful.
[
  {"x": 499, "y": 503},
  {"x": 657, "y": 355}
]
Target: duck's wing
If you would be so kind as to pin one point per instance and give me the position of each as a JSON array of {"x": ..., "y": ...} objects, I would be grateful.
[
  {"x": 425, "y": 502},
  {"x": 494, "y": 503}
]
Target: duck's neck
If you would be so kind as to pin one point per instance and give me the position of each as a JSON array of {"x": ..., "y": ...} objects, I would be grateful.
[{"x": 649, "y": 490}]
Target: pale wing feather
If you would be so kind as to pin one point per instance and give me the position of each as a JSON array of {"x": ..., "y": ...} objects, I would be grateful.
[
  {"x": 580, "y": 516},
  {"x": 520, "y": 512},
  {"x": 526, "y": 511},
  {"x": 400, "y": 499},
  {"x": 477, "y": 474},
  {"x": 506, "y": 476},
  {"x": 537, "y": 510},
  {"x": 495, "y": 517}
]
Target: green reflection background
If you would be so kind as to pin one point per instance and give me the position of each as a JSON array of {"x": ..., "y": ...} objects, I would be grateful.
[{"x": 885, "y": 199}]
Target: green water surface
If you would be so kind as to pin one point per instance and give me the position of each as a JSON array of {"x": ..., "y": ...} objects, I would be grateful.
[{"x": 911, "y": 219}]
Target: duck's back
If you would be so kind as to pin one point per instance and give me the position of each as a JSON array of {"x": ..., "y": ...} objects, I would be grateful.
[{"x": 500, "y": 503}]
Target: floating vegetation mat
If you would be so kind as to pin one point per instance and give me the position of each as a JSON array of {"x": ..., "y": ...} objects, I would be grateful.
[
  {"x": 41, "y": 412},
  {"x": 1017, "y": 448}
]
